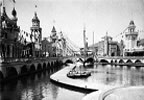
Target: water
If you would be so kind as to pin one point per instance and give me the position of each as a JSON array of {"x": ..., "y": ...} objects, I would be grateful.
[{"x": 39, "y": 87}]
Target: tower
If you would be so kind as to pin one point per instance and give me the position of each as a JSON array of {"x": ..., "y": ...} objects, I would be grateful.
[
  {"x": 85, "y": 41},
  {"x": 36, "y": 29},
  {"x": 131, "y": 37},
  {"x": 36, "y": 33},
  {"x": 53, "y": 36}
]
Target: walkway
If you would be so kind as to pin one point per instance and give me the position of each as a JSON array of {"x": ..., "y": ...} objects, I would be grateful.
[{"x": 124, "y": 93}]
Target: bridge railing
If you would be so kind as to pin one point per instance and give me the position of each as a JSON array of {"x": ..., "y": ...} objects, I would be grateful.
[{"x": 120, "y": 57}]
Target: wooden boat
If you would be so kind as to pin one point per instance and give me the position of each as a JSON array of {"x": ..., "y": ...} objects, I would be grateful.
[{"x": 80, "y": 74}]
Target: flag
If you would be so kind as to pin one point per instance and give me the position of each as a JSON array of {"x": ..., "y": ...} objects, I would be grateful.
[
  {"x": 27, "y": 34},
  {"x": 25, "y": 41}
]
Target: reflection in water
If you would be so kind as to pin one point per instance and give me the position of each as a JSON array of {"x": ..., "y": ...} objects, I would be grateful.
[{"x": 39, "y": 87}]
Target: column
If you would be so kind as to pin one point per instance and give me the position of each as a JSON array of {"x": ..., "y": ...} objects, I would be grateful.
[{"x": 11, "y": 51}]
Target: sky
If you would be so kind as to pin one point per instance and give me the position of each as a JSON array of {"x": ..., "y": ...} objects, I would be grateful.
[{"x": 71, "y": 16}]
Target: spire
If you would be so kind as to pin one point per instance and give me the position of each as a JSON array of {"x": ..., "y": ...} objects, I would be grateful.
[
  {"x": 53, "y": 30},
  {"x": 35, "y": 18}
]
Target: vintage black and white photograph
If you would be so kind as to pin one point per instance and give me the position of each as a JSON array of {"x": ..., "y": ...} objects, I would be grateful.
[{"x": 71, "y": 49}]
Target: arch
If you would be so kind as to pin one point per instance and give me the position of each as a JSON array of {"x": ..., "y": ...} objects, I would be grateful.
[
  {"x": 68, "y": 61},
  {"x": 48, "y": 65},
  {"x": 24, "y": 69},
  {"x": 11, "y": 72},
  {"x": 90, "y": 60},
  {"x": 104, "y": 61},
  {"x": 39, "y": 67},
  {"x": 115, "y": 61},
  {"x": 138, "y": 61},
  {"x": 121, "y": 61},
  {"x": 52, "y": 64},
  {"x": 44, "y": 66},
  {"x": 32, "y": 68},
  {"x": 128, "y": 61},
  {"x": 112, "y": 61},
  {"x": 1, "y": 76}
]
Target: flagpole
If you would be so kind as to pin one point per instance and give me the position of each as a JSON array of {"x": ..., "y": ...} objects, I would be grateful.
[{"x": 0, "y": 32}]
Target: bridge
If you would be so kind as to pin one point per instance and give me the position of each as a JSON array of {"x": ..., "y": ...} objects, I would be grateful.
[
  {"x": 15, "y": 68},
  {"x": 121, "y": 60}
]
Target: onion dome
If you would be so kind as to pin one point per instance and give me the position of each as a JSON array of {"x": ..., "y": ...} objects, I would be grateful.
[
  {"x": 14, "y": 13},
  {"x": 35, "y": 18},
  {"x": 131, "y": 22}
]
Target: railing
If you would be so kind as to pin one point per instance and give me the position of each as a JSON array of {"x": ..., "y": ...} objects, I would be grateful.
[
  {"x": 120, "y": 57},
  {"x": 13, "y": 60}
]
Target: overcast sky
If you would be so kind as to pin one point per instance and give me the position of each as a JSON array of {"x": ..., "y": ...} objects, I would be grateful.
[{"x": 70, "y": 16}]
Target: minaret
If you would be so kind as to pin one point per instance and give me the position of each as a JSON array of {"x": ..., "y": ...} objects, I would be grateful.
[
  {"x": 84, "y": 38},
  {"x": 14, "y": 18},
  {"x": 36, "y": 33},
  {"x": 131, "y": 36},
  {"x": 54, "y": 35},
  {"x": 85, "y": 42},
  {"x": 36, "y": 29}
]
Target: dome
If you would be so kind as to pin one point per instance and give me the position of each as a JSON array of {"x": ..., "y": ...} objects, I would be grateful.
[
  {"x": 14, "y": 13},
  {"x": 131, "y": 22}
]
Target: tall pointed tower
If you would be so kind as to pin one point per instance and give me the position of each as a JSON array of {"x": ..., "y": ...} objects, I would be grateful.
[
  {"x": 36, "y": 30},
  {"x": 54, "y": 36},
  {"x": 36, "y": 33},
  {"x": 131, "y": 36}
]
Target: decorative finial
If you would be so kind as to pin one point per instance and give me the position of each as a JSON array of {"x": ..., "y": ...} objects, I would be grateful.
[
  {"x": 35, "y": 8},
  {"x": 14, "y": 3}
]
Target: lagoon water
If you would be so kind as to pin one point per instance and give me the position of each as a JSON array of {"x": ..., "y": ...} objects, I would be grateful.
[{"x": 39, "y": 86}]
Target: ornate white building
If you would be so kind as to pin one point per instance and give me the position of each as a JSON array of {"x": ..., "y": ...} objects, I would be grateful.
[{"x": 131, "y": 42}]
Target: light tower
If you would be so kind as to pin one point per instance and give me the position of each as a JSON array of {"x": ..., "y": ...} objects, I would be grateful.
[
  {"x": 36, "y": 32},
  {"x": 131, "y": 38}
]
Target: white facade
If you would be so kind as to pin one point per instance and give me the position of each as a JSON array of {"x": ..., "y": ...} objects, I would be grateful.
[{"x": 131, "y": 37}]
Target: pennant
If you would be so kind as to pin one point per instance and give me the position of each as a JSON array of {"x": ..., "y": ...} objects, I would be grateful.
[
  {"x": 31, "y": 36},
  {"x": 27, "y": 34},
  {"x": 25, "y": 41}
]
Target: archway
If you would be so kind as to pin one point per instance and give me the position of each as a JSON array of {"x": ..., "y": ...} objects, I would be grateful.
[
  {"x": 39, "y": 67},
  {"x": 1, "y": 76},
  {"x": 44, "y": 66},
  {"x": 24, "y": 69},
  {"x": 121, "y": 61},
  {"x": 89, "y": 60},
  {"x": 129, "y": 61},
  {"x": 103, "y": 61},
  {"x": 32, "y": 68},
  {"x": 48, "y": 65},
  {"x": 138, "y": 61},
  {"x": 11, "y": 72},
  {"x": 68, "y": 62}
]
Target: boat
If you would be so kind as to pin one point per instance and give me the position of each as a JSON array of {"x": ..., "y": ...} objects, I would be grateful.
[
  {"x": 88, "y": 64},
  {"x": 80, "y": 74}
]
